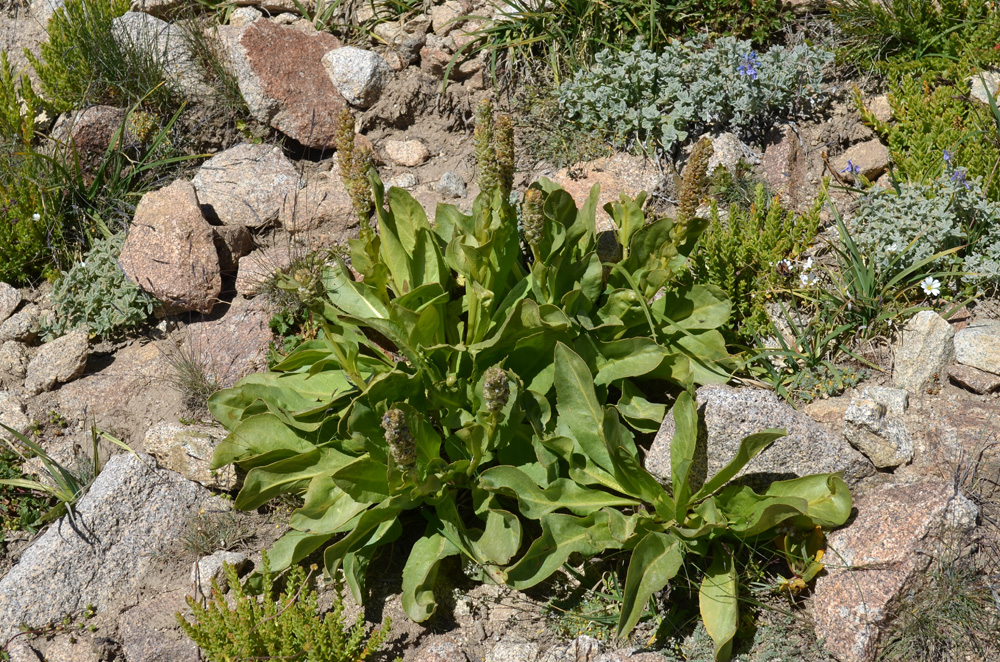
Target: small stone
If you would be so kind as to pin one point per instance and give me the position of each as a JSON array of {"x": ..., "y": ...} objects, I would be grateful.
[
  {"x": 728, "y": 151},
  {"x": 513, "y": 651},
  {"x": 10, "y": 299},
  {"x": 581, "y": 649},
  {"x": 880, "y": 108},
  {"x": 978, "y": 346},
  {"x": 232, "y": 242},
  {"x": 188, "y": 449},
  {"x": 22, "y": 326},
  {"x": 211, "y": 568},
  {"x": 451, "y": 185},
  {"x": 12, "y": 414},
  {"x": 57, "y": 362},
  {"x": 358, "y": 75},
  {"x": 407, "y": 153},
  {"x": 881, "y": 436},
  {"x": 259, "y": 267},
  {"x": 444, "y": 17},
  {"x": 895, "y": 400},
  {"x": 440, "y": 651},
  {"x": 978, "y": 91},
  {"x": 871, "y": 158},
  {"x": 926, "y": 347},
  {"x": 977, "y": 381},
  {"x": 244, "y": 16},
  {"x": 323, "y": 203},
  {"x": 405, "y": 180},
  {"x": 13, "y": 362}
]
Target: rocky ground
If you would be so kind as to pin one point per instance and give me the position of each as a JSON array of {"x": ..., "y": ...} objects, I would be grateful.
[{"x": 917, "y": 443}]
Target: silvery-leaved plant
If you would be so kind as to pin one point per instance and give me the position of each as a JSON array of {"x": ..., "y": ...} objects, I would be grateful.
[
  {"x": 694, "y": 86},
  {"x": 490, "y": 402}
]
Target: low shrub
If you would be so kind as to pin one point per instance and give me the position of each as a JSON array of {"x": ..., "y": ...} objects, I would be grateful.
[
  {"x": 288, "y": 626},
  {"x": 931, "y": 117},
  {"x": 657, "y": 99},
  {"x": 96, "y": 295},
  {"x": 752, "y": 255},
  {"x": 84, "y": 61}
]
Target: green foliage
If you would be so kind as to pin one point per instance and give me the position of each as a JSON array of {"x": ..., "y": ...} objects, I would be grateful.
[
  {"x": 566, "y": 35},
  {"x": 20, "y": 508},
  {"x": 494, "y": 401},
  {"x": 83, "y": 63},
  {"x": 659, "y": 98},
  {"x": 750, "y": 255},
  {"x": 947, "y": 227},
  {"x": 289, "y": 627},
  {"x": 95, "y": 294},
  {"x": 930, "y": 117},
  {"x": 935, "y": 33}
]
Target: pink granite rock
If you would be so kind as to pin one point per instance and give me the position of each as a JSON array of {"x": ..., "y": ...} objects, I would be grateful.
[{"x": 170, "y": 251}]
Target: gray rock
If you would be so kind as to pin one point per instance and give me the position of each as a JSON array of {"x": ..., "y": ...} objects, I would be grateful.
[
  {"x": 164, "y": 9},
  {"x": 730, "y": 414},
  {"x": 728, "y": 151},
  {"x": 978, "y": 346},
  {"x": 211, "y": 568},
  {"x": 895, "y": 400},
  {"x": 977, "y": 381},
  {"x": 358, "y": 75},
  {"x": 246, "y": 185},
  {"x": 877, "y": 431},
  {"x": 22, "y": 326},
  {"x": 164, "y": 42},
  {"x": 12, "y": 414},
  {"x": 260, "y": 266},
  {"x": 42, "y": 10},
  {"x": 188, "y": 449},
  {"x": 440, "y": 651},
  {"x": 405, "y": 180},
  {"x": 131, "y": 514},
  {"x": 57, "y": 362},
  {"x": 244, "y": 16},
  {"x": 581, "y": 649},
  {"x": 10, "y": 299},
  {"x": 451, "y": 185},
  {"x": 978, "y": 91},
  {"x": 444, "y": 16},
  {"x": 148, "y": 631},
  {"x": 323, "y": 203},
  {"x": 925, "y": 349},
  {"x": 513, "y": 651},
  {"x": 232, "y": 242},
  {"x": 13, "y": 362},
  {"x": 170, "y": 251}
]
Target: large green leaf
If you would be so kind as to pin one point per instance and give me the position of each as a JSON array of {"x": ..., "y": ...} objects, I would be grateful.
[
  {"x": 290, "y": 392},
  {"x": 628, "y": 357},
  {"x": 718, "y": 602},
  {"x": 655, "y": 561},
  {"x": 263, "y": 435},
  {"x": 501, "y": 538},
  {"x": 327, "y": 509},
  {"x": 364, "y": 480},
  {"x": 827, "y": 497},
  {"x": 289, "y": 475},
  {"x": 641, "y": 413},
  {"x": 357, "y": 299},
  {"x": 699, "y": 307},
  {"x": 580, "y": 414},
  {"x": 535, "y": 503},
  {"x": 749, "y": 448},
  {"x": 420, "y": 575},
  {"x": 408, "y": 216},
  {"x": 562, "y": 535},
  {"x": 682, "y": 451}
]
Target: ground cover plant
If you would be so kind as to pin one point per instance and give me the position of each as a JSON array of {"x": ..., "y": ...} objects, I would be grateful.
[
  {"x": 492, "y": 396},
  {"x": 657, "y": 98}
]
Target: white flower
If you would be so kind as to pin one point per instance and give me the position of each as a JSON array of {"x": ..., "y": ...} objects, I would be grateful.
[
  {"x": 808, "y": 279},
  {"x": 36, "y": 217},
  {"x": 891, "y": 248},
  {"x": 807, "y": 265},
  {"x": 931, "y": 286}
]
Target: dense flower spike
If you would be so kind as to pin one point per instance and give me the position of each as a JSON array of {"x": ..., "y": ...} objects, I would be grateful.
[
  {"x": 354, "y": 166},
  {"x": 694, "y": 181},
  {"x": 504, "y": 136},
  {"x": 487, "y": 170},
  {"x": 398, "y": 437},
  {"x": 496, "y": 390},
  {"x": 532, "y": 217}
]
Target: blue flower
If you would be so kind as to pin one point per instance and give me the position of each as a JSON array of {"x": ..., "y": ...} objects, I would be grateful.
[
  {"x": 959, "y": 176},
  {"x": 748, "y": 65},
  {"x": 947, "y": 156},
  {"x": 851, "y": 168}
]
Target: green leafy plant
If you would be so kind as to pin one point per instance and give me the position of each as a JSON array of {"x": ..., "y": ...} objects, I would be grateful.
[
  {"x": 659, "y": 98},
  {"x": 87, "y": 60},
  {"x": 567, "y": 35},
  {"x": 750, "y": 254},
  {"x": 907, "y": 30},
  {"x": 288, "y": 626},
  {"x": 95, "y": 294},
  {"x": 20, "y": 508},
  {"x": 64, "y": 486},
  {"x": 930, "y": 117}
]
